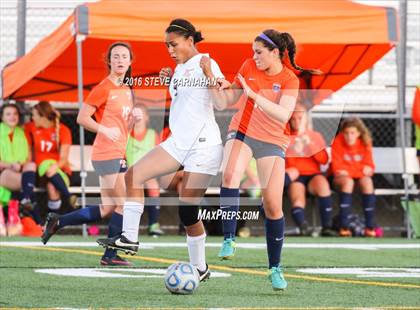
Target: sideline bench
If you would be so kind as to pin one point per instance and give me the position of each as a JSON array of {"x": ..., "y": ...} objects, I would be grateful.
[{"x": 388, "y": 160}]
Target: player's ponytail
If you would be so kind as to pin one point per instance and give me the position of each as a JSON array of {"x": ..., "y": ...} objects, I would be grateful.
[
  {"x": 45, "y": 109},
  {"x": 185, "y": 29},
  {"x": 286, "y": 45}
]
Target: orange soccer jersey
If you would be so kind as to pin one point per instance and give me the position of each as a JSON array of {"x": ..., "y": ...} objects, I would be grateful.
[
  {"x": 307, "y": 158},
  {"x": 252, "y": 120},
  {"x": 113, "y": 108},
  {"x": 351, "y": 158},
  {"x": 43, "y": 142}
]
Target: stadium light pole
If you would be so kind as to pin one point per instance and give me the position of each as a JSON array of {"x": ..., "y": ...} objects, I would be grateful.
[
  {"x": 402, "y": 71},
  {"x": 81, "y": 31}
]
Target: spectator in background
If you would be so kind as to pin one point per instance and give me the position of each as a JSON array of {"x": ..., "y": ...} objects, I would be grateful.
[
  {"x": 141, "y": 140},
  {"x": 49, "y": 145},
  {"x": 16, "y": 171},
  {"x": 416, "y": 120},
  {"x": 304, "y": 157},
  {"x": 352, "y": 163}
]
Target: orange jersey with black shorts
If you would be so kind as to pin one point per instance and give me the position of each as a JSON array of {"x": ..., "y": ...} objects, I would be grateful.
[
  {"x": 113, "y": 105},
  {"x": 251, "y": 120},
  {"x": 307, "y": 158},
  {"x": 351, "y": 158},
  {"x": 43, "y": 142}
]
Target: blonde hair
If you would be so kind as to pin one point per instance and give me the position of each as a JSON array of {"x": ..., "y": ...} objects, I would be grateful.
[{"x": 360, "y": 126}]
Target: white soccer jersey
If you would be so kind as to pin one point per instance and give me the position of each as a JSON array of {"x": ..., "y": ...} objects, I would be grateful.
[{"x": 191, "y": 117}]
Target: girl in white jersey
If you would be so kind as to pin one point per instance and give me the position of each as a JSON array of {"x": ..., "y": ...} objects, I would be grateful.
[{"x": 195, "y": 144}]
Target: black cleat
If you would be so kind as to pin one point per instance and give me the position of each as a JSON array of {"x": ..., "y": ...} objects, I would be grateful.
[
  {"x": 304, "y": 229},
  {"x": 204, "y": 275},
  {"x": 51, "y": 227},
  {"x": 115, "y": 261},
  {"x": 328, "y": 232},
  {"x": 120, "y": 243}
]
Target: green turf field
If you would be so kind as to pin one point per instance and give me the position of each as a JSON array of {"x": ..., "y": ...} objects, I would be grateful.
[{"x": 244, "y": 283}]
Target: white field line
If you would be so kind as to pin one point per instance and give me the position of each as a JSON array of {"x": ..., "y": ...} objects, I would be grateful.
[{"x": 256, "y": 246}]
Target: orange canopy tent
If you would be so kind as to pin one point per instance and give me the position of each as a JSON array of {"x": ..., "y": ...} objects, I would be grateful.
[{"x": 339, "y": 37}]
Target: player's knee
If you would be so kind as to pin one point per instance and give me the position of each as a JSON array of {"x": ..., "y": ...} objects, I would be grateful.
[
  {"x": 29, "y": 167},
  {"x": 188, "y": 214},
  {"x": 366, "y": 185},
  {"x": 272, "y": 208},
  {"x": 321, "y": 186}
]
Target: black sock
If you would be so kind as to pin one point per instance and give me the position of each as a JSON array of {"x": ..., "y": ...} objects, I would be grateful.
[
  {"x": 114, "y": 229},
  {"x": 28, "y": 184},
  {"x": 274, "y": 232},
  {"x": 60, "y": 185},
  {"x": 368, "y": 202}
]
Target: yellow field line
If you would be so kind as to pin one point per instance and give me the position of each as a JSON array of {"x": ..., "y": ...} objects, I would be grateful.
[{"x": 224, "y": 268}]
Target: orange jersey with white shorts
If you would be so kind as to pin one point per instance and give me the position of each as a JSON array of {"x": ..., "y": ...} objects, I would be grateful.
[
  {"x": 307, "y": 157},
  {"x": 43, "y": 142},
  {"x": 251, "y": 120},
  {"x": 351, "y": 158},
  {"x": 113, "y": 105}
]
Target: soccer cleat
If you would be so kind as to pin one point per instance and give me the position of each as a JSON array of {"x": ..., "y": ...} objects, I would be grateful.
[
  {"x": 328, "y": 232},
  {"x": 276, "y": 277},
  {"x": 304, "y": 229},
  {"x": 115, "y": 261},
  {"x": 51, "y": 227},
  {"x": 120, "y": 243},
  {"x": 228, "y": 249},
  {"x": 345, "y": 232},
  {"x": 154, "y": 230},
  {"x": 370, "y": 232},
  {"x": 204, "y": 275},
  {"x": 26, "y": 205}
]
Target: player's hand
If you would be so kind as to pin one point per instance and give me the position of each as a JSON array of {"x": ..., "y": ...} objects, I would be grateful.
[
  {"x": 205, "y": 65},
  {"x": 112, "y": 133},
  {"x": 367, "y": 171},
  {"x": 247, "y": 90},
  {"x": 165, "y": 75},
  {"x": 137, "y": 114},
  {"x": 223, "y": 84},
  {"x": 16, "y": 167}
]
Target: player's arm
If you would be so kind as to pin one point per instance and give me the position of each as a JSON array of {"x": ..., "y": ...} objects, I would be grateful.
[
  {"x": 64, "y": 156},
  {"x": 84, "y": 118},
  {"x": 282, "y": 111},
  {"x": 224, "y": 94}
]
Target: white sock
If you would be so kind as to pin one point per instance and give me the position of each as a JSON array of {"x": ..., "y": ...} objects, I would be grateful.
[
  {"x": 54, "y": 205},
  {"x": 131, "y": 220},
  {"x": 197, "y": 251}
]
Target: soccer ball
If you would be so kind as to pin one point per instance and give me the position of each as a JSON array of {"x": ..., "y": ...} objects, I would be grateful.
[{"x": 182, "y": 278}]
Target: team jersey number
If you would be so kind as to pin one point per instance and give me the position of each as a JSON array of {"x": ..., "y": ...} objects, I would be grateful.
[
  {"x": 46, "y": 146},
  {"x": 125, "y": 112}
]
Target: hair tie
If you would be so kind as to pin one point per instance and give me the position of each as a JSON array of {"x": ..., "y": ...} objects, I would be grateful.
[
  {"x": 266, "y": 38},
  {"x": 174, "y": 25}
]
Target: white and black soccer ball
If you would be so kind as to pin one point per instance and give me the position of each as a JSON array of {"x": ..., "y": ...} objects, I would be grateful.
[{"x": 182, "y": 278}]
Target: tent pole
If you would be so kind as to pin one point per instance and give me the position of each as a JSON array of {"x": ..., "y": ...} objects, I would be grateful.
[
  {"x": 83, "y": 174},
  {"x": 401, "y": 67}
]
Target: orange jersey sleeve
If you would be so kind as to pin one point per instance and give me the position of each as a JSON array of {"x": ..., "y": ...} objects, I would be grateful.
[{"x": 251, "y": 119}]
